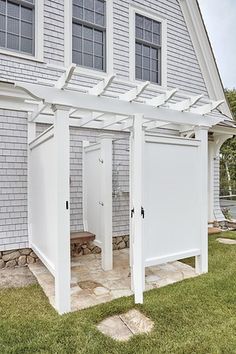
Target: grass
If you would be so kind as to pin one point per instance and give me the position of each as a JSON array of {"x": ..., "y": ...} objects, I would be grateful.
[{"x": 194, "y": 316}]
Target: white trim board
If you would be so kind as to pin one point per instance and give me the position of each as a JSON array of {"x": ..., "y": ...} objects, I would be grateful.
[{"x": 204, "y": 52}]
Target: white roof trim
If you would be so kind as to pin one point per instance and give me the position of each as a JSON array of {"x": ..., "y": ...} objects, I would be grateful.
[{"x": 204, "y": 53}]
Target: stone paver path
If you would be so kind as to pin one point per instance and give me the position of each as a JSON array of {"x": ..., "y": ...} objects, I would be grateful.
[
  {"x": 123, "y": 327},
  {"x": 226, "y": 241},
  {"x": 16, "y": 277},
  {"x": 90, "y": 285}
]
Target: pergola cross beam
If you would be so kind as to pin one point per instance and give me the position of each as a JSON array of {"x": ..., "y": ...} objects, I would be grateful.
[
  {"x": 161, "y": 99},
  {"x": 134, "y": 93},
  {"x": 185, "y": 104},
  {"x": 207, "y": 108},
  {"x": 101, "y": 87}
]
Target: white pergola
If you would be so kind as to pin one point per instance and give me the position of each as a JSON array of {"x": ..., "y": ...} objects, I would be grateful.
[{"x": 110, "y": 104}]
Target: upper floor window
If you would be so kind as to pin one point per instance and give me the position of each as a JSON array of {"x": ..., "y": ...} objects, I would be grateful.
[
  {"x": 89, "y": 33},
  {"x": 17, "y": 25},
  {"x": 147, "y": 49}
]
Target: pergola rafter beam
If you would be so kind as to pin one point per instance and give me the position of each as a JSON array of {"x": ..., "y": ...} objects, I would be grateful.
[
  {"x": 131, "y": 95},
  {"x": 185, "y": 104},
  {"x": 66, "y": 77},
  {"x": 207, "y": 108},
  {"x": 112, "y": 121},
  {"x": 154, "y": 125},
  {"x": 161, "y": 99},
  {"x": 101, "y": 87}
]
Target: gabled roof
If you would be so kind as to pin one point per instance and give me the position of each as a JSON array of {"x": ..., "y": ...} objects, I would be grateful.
[{"x": 200, "y": 39}]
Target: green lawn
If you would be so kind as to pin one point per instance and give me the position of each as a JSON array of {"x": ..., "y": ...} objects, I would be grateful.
[{"x": 194, "y": 316}]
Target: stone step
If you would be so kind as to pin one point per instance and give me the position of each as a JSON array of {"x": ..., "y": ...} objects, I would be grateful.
[
  {"x": 214, "y": 230},
  {"x": 81, "y": 237}
]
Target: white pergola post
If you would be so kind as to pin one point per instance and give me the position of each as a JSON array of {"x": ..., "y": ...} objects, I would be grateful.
[
  {"x": 137, "y": 270},
  {"x": 31, "y": 136},
  {"x": 62, "y": 241},
  {"x": 201, "y": 262},
  {"x": 211, "y": 155},
  {"x": 106, "y": 192}
]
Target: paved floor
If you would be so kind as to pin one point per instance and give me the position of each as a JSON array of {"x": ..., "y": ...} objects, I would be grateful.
[
  {"x": 16, "y": 277},
  {"x": 90, "y": 285}
]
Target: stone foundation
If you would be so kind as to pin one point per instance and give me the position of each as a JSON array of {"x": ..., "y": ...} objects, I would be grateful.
[
  {"x": 119, "y": 243},
  {"x": 14, "y": 258}
]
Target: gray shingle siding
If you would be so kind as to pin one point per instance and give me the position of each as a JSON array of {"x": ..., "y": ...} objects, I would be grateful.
[
  {"x": 183, "y": 71},
  {"x": 13, "y": 180}
]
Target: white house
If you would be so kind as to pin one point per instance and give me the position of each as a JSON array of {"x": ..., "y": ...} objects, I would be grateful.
[{"x": 112, "y": 114}]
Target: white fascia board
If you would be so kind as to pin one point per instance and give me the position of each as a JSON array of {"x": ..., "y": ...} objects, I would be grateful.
[
  {"x": 204, "y": 52},
  {"x": 73, "y": 99}
]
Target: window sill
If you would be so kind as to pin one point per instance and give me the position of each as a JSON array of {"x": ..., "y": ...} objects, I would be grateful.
[
  {"x": 20, "y": 55},
  {"x": 90, "y": 72}
]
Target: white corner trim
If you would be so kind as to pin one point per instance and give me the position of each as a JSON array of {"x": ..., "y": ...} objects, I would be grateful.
[
  {"x": 133, "y": 9},
  {"x": 68, "y": 40},
  {"x": 204, "y": 52},
  {"x": 39, "y": 34}
]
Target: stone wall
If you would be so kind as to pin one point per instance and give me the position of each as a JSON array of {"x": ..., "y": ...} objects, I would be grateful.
[
  {"x": 119, "y": 243},
  {"x": 14, "y": 258},
  {"x": 22, "y": 257}
]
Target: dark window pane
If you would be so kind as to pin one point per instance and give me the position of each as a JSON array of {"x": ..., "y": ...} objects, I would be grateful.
[
  {"x": 78, "y": 12},
  {"x": 77, "y": 57},
  {"x": 77, "y": 43},
  {"x": 154, "y": 65},
  {"x": 99, "y": 6},
  {"x": 139, "y": 33},
  {"x": 88, "y": 33},
  {"x": 26, "y": 45},
  {"x": 2, "y": 6},
  {"x": 12, "y": 41},
  {"x": 154, "y": 76},
  {"x": 98, "y": 36},
  {"x": 77, "y": 30},
  {"x": 138, "y": 48},
  {"x": 2, "y": 39},
  {"x": 148, "y": 36},
  {"x": 138, "y": 73},
  {"x": 2, "y": 22},
  {"x": 156, "y": 27},
  {"x": 26, "y": 14},
  {"x": 99, "y": 19},
  {"x": 156, "y": 39},
  {"x": 89, "y": 4},
  {"x": 88, "y": 60},
  {"x": 13, "y": 9},
  {"x": 26, "y": 29},
  {"x": 138, "y": 60},
  {"x": 89, "y": 16},
  {"x": 88, "y": 46},
  {"x": 146, "y": 63},
  {"x": 146, "y": 74},
  {"x": 154, "y": 53},
  {"x": 98, "y": 49},
  {"x": 78, "y": 2},
  {"x": 146, "y": 51},
  {"x": 139, "y": 21},
  {"x": 13, "y": 25},
  {"x": 148, "y": 24},
  {"x": 98, "y": 63}
]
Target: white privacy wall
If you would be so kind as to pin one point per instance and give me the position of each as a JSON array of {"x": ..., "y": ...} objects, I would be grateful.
[
  {"x": 13, "y": 180},
  {"x": 171, "y": 199},
  {"x": 43, "y": 200},
  {"x": 120, "y": 178}
]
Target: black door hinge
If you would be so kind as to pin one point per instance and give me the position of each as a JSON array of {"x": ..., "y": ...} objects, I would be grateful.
[
  {"x": 142, "y": 212},
  {"x": 67, "y": 205},
  {"x": 132, "y": 213}
]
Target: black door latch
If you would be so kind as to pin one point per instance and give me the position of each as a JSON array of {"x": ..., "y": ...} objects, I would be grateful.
[
  {"x": 142, "y": 212},
  {"x": 132, "y": 212}
]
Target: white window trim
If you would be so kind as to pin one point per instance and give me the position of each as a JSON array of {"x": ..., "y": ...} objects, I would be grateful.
[
  {"x": 39, "y": 34},
  {"x": 109, "y": 40},
  {"x": 150, "y": 14}
]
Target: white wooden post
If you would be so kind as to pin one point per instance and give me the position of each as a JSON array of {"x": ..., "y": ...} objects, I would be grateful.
[
  {"x": 201, "y": 262},
  {"x": 31, "y": 136},
  {"x": 137, "y": 270},
  {"x": 211, "y": 181},
  {"x": 106, "y": 198},
  {"x": 62, "y": 245}
]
